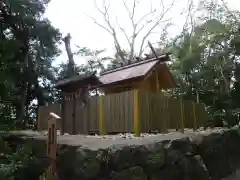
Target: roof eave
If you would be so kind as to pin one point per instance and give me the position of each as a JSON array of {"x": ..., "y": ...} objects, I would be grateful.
[{"x": 63, "y": 83}]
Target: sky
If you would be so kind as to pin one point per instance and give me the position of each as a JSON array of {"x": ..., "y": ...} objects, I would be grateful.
[{"x": 75, "y": 17}]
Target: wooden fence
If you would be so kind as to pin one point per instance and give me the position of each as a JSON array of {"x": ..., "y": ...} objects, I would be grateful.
[{"x": 132, "y": 111}]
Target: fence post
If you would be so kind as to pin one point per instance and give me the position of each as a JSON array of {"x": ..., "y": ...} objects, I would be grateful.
[
  {"x": 194, "y": 117},
  {"x": 182, "y": 120},
  {"x": 63, "y": 113},
  {"x": 52, "y": 146},
  {"x": 136, "y": 113},
  {"x": 38, "y": 119},
  {"x": 165, "y": 130},
  {"x": 101, "y": 116},
  {"x": 157, "y": 81}
]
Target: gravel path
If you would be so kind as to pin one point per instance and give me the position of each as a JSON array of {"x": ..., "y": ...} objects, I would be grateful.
[{"x": 102, "y": 142}]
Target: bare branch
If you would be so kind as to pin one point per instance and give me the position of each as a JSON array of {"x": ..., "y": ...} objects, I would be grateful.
[
  {"x": 131, "y": 14},
  {"x": 100, "y": 25},
  {"x": 163, "y": 7},
  {"x": 140, "y": 29},
  {"x": 145, "y": 16},
  {"x": 110, "y": 28},
  {"x": 159, "y": 19},
  {"x": 138, "y": 25},
  {"x": 125, "y": 34}
]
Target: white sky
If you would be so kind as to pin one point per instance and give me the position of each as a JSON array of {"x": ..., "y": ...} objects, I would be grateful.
[{"x": 71, "y": 17}]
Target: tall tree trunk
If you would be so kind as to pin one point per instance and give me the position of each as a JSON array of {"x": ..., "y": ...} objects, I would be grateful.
[{"x": 71, "y": 68}]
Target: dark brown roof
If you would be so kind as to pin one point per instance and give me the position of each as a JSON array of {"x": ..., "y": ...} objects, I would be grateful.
[
  {"x": 131, "y": 71},
  {"x": 128, "y": 72},
  {"x": 78, "y": 80}
]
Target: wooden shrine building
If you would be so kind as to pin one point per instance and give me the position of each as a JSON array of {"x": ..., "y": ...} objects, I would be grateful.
[{"x": 150, "y": 75}]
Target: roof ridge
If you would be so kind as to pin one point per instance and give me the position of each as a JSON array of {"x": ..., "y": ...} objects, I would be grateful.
[{"x": 133, "y": 64}]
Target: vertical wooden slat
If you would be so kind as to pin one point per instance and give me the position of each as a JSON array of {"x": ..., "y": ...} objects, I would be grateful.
[
  {"x": 39, "y": 119},
  {"x": 194, "y": 117},
  {"x": 52, "y": 147},
  {"x": 157, "y": 81},
  {"x": 74, "y": 115},
  {"x": 181, "y": 116},
  {"x": 164, "y": 120},
  {"x": 101, "y": 116},
  {"x": 136, "y": 113},
  {"x": 63, "y": 115}
]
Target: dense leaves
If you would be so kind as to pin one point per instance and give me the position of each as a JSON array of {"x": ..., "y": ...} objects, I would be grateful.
[
  {"x": 28, "y": 46},
  {"x": 206, "y": 63}
]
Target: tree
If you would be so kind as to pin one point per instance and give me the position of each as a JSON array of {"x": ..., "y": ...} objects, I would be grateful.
[
  {"x": 205, "y": 60},
  {"x": 148, "y": 22},
  {"x": 30, "y": 44}
]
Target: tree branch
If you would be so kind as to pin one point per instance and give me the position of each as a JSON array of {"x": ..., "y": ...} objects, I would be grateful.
[
  {"x": 159, "y": 20},
  {"x": 125, "y": 34},
  {"x": 110, "y": 28}
]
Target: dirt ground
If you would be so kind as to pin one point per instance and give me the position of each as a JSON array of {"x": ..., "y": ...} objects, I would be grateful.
[{"x": 101, "y": 142}]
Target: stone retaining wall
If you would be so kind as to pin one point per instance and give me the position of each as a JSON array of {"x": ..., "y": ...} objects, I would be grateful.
[{"x": 207, "y": 157}]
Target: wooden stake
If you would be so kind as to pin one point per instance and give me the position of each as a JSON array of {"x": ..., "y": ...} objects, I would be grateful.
[
  {"x": 194, "y": 117},
  {"x": 165, "y": 130},
  {"x": 74, "y": 115},
  {"x": 136, "y": 113},
  {"x": 157, "y": 81},
  {"x": 182, "y": 120},
  {"x": 52, "y": 146},
  {"x": 101, "y": 116},
  {"x": 38, "y": 119}
]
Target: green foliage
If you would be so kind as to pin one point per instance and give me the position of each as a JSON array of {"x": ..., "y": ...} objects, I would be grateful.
[
  {"x": 30, "y": 45},
  {"x": 13, "y": 160},
  {"x": 206, "y": 63}
]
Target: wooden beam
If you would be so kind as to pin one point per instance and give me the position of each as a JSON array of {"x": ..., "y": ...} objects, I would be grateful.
[
  {"x": 74, "y": 115},
  {"x": 136, "y": 113},
  {"x": 63, "y": 105},
  {"x": 157, "y": 81},
  {"x": 101, "y": 117},
  {"x": 38, "y": 119},
  {"x": 52, "y": 146},
  {"x": 181, "y": 116},
  {"x": 166, "y": 113},
  {"x": 194, "y": 117}
]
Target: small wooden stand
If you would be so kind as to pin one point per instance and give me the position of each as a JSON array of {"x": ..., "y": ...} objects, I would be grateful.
[{"x": 52, "y": 146}]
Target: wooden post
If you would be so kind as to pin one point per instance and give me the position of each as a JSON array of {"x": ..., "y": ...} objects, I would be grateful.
[
  {"x": 157, "y": 81},
  {"x": 101, "y": 116},
  {"x": 74, "y": 114},
  {"x": 194, "y": 117},
  {"x": 38, "y": 120},
  {"x": 165, "y": 130},
  {"x": 52, "y": 146},
  {"x": 63, "y": 105},
  {"x": 136, "y": 113},
  {"x": 181, "y": 117}
]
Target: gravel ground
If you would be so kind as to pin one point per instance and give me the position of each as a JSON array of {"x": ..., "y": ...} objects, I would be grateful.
[
  {"x": 101, "y": 142},
  {"x": 234, "y": 176}
]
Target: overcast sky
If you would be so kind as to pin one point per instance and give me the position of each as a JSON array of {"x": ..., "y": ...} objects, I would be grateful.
[{"x": 71, "y": 16}]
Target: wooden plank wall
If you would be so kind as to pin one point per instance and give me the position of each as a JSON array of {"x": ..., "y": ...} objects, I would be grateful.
[
  {"x": 93, "y": 115},
  {"x": 157, "y": 113},
  {"x": 118, "y": 112}
]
